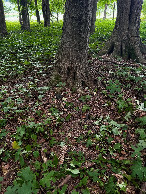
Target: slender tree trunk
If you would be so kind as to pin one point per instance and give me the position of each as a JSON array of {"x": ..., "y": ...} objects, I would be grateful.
[
  {"x": 125, "y": 40},
  {"x": 93, "y": 19},
  {"x": 3, "y": 29},
  {"x": 20, "y": 18},
  {"x": 37, "y": 12},
  {"x": 57, "y": 17},
  {"x": 73, "y": 52},
  {"x": 114, "y": 6},
  {"x": 46, "y": 12},
  {"x": 25, "y": 23},
  {"x": 105, "y": 9}
]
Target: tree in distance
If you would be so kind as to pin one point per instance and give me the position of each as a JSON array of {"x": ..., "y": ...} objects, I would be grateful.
[
  {"x": 125, "y": 40},
  {"x": 3, "y": 29}
]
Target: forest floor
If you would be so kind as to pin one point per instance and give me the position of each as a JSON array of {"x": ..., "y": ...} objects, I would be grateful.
[{"x": 59, "y": 140}]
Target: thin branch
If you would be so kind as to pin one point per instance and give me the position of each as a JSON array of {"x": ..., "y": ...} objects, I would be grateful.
[{"x": 88, "y": 165}]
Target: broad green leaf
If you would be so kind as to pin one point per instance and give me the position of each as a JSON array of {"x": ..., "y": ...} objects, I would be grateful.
[
  {"x": 15, "y": 145},
  {"x": 75, "y": 171}
]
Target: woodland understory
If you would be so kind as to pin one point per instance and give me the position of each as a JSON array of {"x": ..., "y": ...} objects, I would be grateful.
[{"x": 56, "y": 139}]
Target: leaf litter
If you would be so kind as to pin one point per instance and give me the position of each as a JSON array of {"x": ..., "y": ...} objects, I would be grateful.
[
  {"x": 54, "y": 139},
  {"x": 70, "y": 129}
]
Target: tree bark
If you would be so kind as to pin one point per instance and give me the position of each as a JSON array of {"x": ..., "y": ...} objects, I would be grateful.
[
  {"x": 3, "y": 29},
  {"x": 114, "y": 6},
  {"x": 125, "y": 40},
  {"x": 37, "y": 12},
  {"x": 20, "y": 18},
  {"x": 72, "y": 57},
  {"x": 93, "y": 19},
  {"x": 46, "y": 12},
  {"x": 57, "y": 16},
  {"x": 105, "y": 9},
  {"x": 25, "y": 23}
]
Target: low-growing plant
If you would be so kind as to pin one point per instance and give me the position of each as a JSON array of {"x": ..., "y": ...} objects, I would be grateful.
[
  {"x": 85, "y": 98},
  {"x": 85, "y": 108},
  {"x": 37, "y": 118},
  {"x": 25, "y": 183}
]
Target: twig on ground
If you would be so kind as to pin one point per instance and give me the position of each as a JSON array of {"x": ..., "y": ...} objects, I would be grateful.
[{"x": 88, "y": 165}]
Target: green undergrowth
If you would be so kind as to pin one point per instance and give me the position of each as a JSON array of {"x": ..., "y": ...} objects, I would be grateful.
[
  {"x": 22, "y": 51},
  {"x": 49, "y": 134},
  {"x": 143, "y": 31},
  {"x": 102, "y": 33}
]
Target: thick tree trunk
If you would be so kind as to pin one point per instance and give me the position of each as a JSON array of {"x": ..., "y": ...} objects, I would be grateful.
[
  {"x": 3, "y": 29},
  {"x": 25, "y": 23},
  {"x": 37, "y": 12},
  {"x": 105, "y": 9},
  {"x": 93, "y": 19},
  {"x": 73, "y": 52},
  {"x": 46, "y": 12},
  {"x": 125, "y": 40}
]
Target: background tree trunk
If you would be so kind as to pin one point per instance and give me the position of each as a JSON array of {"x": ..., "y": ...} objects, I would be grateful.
[
  {"x": 93, "y": 19},
  {"x": 20, "y": 17},
  {"x": 46, "y": 12},
  {"x": 125, "y": 40},
  {"x": 114, "y": 7},
  {"x": 3, "y": 29},
  {"x": 57, "y": 16},
  {"x": 105, "y": 9},
  {"x": 73, "y": 52},
  {"x": 37, "y": 12},
  {"x": 25, "y": 23}
]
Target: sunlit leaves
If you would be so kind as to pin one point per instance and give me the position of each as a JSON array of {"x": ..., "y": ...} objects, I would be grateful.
[
  {"x": 73, "y": 171},
  {"x": 15, "y": 145}
]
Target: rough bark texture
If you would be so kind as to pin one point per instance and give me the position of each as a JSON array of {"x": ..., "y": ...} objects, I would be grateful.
[
  {"x": 3, "y": 29},
  {"x": 125, "y": 40},
  {"x": 73, "y": 52},
  {"x": 93, "y": 19},
  {"x": 46, "y": 12},
  {"x": 25, "y": 23},
  {"x": 37, "y": 12}
]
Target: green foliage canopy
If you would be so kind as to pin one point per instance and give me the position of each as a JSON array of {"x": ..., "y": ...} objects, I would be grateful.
[{"x": 57, "y": 6}]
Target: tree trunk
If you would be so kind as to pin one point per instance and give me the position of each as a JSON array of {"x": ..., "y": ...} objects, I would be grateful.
[
  {"x": 93, "y": 19},
  {"x": 105, "y": 9},
  {"x": 46, "y": 12},
  {"x": 125, "y": 40},
  {"x": 25, "y": 23},
  {"x": 73, "y": 52},
  {"x": 37, "y": 12},
  {"x": 3, "y": 29},
  {"x": 57, "y": 16},
  {"x": 20, "y": 18},
  {"x": 114, "y": 6}
]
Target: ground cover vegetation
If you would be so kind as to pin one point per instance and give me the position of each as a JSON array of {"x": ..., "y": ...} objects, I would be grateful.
[{"x": 55, "y": 139}]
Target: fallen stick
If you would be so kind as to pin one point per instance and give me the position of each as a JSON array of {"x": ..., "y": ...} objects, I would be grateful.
[
  {"x": 69, "y": 176},
  {"x": 63, "y": 182}
]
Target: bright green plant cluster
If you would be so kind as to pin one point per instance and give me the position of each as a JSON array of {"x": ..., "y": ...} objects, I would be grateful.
[{"x": 23, "y": 50}]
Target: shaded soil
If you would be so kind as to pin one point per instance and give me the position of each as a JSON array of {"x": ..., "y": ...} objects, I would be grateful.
[{"x": 78, "y": 126}]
